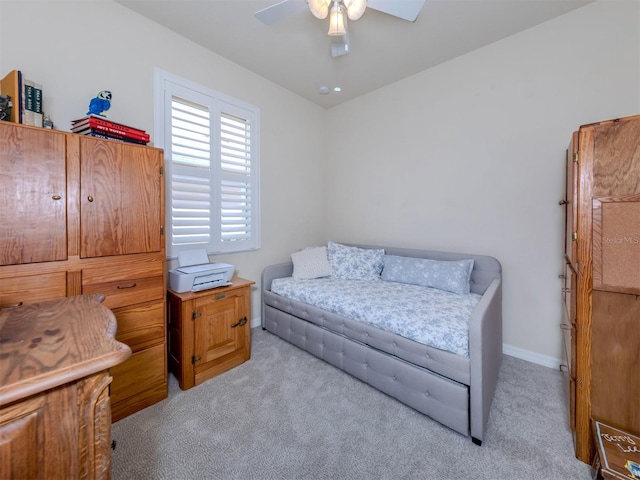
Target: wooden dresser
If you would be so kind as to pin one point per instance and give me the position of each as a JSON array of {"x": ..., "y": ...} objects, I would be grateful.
[
  {"x": 55, "y": 420},
  {"x": 82, "y": 215},
  {"x": 209, "y": 331},
  {"x": 601, "y": 325}
]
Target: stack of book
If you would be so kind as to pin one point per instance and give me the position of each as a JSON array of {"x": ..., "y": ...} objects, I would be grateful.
[
  {"x": 98, "y": 126},
  {"x": 26, "y": 98}
]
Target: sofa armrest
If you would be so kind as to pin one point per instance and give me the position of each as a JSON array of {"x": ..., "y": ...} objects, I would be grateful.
[
  {"x": 485, "y": 354},
  {"x": 269, "y": 273}
]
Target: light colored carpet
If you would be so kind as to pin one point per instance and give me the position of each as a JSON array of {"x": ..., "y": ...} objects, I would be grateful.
[{"x": 285, "y": 414}]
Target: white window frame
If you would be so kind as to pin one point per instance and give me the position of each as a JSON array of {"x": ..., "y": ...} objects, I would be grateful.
[{"x": 166, "y": 87}]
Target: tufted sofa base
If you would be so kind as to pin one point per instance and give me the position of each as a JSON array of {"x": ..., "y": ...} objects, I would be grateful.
[
  {"x": 454, "y": 390},
  {"x": 442, "y": 399}
]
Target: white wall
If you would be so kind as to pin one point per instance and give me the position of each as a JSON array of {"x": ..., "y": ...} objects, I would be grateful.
[
  {"x": 466, "y": 156},
  {"x": 469, "y": 156},
  {"x": 77, "y": 48}
]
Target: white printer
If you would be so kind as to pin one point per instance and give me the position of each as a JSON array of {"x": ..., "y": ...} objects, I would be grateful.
[{"x": 195, "y": 273}]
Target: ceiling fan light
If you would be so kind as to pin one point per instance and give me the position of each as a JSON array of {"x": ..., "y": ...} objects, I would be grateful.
[
  {"x": 337, "y": 22},
  {"x": 319, "y": 8},
  {"x": 355, "y": 8}
]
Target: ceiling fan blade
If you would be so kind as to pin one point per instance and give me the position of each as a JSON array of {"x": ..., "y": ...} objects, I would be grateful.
[
  {"x": 280, "y": 10},
  {"x": 405, "y": 9},
  {"x": 340, "y": 45}
]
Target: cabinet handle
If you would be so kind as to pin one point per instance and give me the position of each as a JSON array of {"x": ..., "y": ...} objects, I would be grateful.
[
  {"x": 56, "y": 197},
  {"x": 563, "y": 202},
  {"x": 240, "y": 323},
  {"x": 90, "y": 198},
  {"x": 123, "y": 287}
]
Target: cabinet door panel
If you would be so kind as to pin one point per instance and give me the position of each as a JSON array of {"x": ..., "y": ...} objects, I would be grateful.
[
  {"x": 214, "y": 334},
  {"x": 221, "y": 333},
  {"x": 33, "y": 207},
  {"x": 614, "y": 359},
  {"x": 571, "y": 197},
  {"x": 120, "y": 199},
  {"x": 20, "y": 455}
]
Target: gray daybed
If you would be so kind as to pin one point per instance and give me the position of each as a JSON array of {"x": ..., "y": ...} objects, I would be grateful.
[{"x": 455, "y": 390}]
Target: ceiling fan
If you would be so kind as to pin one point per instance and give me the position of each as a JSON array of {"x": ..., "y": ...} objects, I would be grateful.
[{"x": 338, "y": 11}]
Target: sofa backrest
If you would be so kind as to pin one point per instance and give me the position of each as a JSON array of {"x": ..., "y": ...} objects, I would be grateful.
[{"x": 485, "y": 268}]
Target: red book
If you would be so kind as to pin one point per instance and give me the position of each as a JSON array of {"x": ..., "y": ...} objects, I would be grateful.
[
  {"x": 117, "y": 139},
  {"x": 112, "y": 133},
  {"x": 94, "y": 121}
]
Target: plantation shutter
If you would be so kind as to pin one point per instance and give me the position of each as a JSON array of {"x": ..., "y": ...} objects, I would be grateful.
[
  {"x": 237, "y": 192},
  {"x": 190, "y": 180},
  {"x": 212, "y": 175}
]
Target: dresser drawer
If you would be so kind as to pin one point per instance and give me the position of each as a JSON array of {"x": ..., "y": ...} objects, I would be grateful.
[
  {"x": 32, "y": 288},
  {"x": 128, "y": 291},
  {"x": 142, "y": 325},
  {"x": 139, "y": 382}
]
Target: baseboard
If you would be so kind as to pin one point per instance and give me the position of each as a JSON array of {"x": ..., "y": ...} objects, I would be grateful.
[
  {"x": 533, "y": 357},
  {"x": 256, "y": 322}
]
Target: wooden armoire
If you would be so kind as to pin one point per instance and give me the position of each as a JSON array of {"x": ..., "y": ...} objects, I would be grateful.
[
  {"x": 601, "y": 325},
  {"x": 82, "y": 215}
]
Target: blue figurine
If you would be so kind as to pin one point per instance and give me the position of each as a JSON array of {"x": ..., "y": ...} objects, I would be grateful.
[{"x": 100, "y": 103}]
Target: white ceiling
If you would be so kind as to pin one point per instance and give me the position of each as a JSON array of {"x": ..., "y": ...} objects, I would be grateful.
[{"x": 295, "y": 52}]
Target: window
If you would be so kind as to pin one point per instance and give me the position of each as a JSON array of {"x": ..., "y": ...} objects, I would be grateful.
[{"x": 211, "y": 145}]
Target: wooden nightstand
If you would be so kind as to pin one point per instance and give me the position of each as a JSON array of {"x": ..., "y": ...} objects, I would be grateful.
[{"x": 209, "y": 331}]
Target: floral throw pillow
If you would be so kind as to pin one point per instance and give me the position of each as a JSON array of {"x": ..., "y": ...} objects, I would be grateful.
[
  {"x": 449, "y": 275},
  {"x": 311, "y": 262},
  {"x": 355, "y": 263}
]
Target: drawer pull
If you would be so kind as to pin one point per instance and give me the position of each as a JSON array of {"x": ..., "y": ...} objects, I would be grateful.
[
  {"x": 19, "y": 304},
  {"x": 123, "y": 287},
  {"x": 240, "y": 323},
  {"x": 90, "y": 198},
  {"x": 57, "y": 197}
]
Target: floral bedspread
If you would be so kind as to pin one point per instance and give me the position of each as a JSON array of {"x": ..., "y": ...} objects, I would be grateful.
[{"x": 427, "y": 315}]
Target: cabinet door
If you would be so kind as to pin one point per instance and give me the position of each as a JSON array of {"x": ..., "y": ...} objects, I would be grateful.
[
  {"x": 221, "y": 333},
  {"x": 22, "y": 428},
  {"x": 615, "y": 336},
  {"x": 571, "y": 200},
  {"x": 121, "y": 198},
  {"x": 33, "y": 185}
]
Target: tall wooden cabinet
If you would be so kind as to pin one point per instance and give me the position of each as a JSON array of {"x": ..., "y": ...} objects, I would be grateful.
[
  {"x": 601, "y": 325},
  {"x": 82, "y": 215}
]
